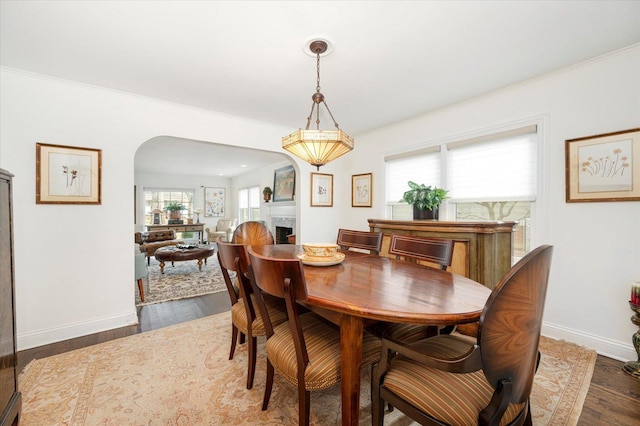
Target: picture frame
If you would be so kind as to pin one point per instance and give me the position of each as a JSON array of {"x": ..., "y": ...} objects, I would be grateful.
[
  {"x": 321, "y": 190},
  {"x": 68, "y": 174},
  {"x": 603, "y": 167},
  {"x": 214, "y": 201},
  {"x": 284, "y": 184},
  {"x": 362, "y": 190}
]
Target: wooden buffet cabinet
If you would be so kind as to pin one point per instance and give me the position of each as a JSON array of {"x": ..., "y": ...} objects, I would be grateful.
[
  {"x": 482, "y": 250},
  {"x": 10, "y": 398}
]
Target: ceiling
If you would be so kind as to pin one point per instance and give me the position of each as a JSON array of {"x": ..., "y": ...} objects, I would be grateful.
[{"x": 392, "y": 60}]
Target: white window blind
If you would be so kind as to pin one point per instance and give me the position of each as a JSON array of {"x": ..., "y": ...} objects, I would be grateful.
[
  {"x": 423, "y": 167},
  {"x": 502, "y": 168},
  {"x": 243, "y": 198}
]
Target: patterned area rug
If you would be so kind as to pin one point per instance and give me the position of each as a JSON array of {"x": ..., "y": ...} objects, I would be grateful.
[
  {"x": 181, "y": 375},
  {"x": 181, "y": 281}
]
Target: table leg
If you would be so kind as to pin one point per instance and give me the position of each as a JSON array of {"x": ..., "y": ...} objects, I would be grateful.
[
  {"x": 161, "y": 267},
  {"x": 351, "y": 329}
]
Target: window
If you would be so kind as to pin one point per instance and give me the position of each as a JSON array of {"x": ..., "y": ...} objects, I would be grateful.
[
  {"x": 492, "y": 177},
  {"x": 158, "y": 199},
  {"x": 249, "y": 204}
]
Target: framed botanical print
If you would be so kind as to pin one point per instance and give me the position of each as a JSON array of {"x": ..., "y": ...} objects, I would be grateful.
[
  {"x": 321, "y": 190},
  {"x": 361, "y": 190},
  {"x": 214, "y": 202},
  {"x": 284, "y": 184},
  {"x": 68, "y": 174},
  {"x": 603, "y": 167}
]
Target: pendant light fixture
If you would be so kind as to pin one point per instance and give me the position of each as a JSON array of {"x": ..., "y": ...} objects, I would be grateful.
[{"x": 315, "y": 146}]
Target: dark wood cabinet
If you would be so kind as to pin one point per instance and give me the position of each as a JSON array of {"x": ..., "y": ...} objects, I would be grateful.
[
  {"x": 10, "y": 399},
  {"x": 481, "y": 251}
]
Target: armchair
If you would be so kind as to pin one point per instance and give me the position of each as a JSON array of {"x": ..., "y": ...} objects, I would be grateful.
[{"x": 224, "y": 229}]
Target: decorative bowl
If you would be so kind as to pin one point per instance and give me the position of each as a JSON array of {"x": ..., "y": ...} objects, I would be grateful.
[{"x": 320, "y": 250}]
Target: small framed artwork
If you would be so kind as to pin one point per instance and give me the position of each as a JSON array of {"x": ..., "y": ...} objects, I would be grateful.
[
  {"x": 603, "y": 167},
  {"x": 68, "y": 174},
  {"x": 361, "y": 190},
  {"x": 284, "y": 184},
  {"x": 321, "y": 190},
  {"x": 214, "y": 202}
]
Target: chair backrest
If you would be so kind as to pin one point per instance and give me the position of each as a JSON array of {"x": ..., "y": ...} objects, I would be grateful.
[
  {"x": 509, "y": 328},
  {"x": 233, "y": 258},
  {"x": 348, "y": 238},
  {"x": 433, "y": 250},
  {"x": 252, "y": 233},
  {"x": 283, "y": 278}
]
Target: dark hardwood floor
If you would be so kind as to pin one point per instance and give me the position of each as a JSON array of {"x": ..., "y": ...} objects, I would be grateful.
[{"x": 613, "y": 398}]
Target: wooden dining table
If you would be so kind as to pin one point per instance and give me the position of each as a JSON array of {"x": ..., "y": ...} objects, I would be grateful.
[{"x": 365, "y": 289}]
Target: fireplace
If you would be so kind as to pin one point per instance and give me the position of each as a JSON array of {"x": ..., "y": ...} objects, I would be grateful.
[
  {"x": 282, "y": 227},
  {"x": 281, "y": 234}
]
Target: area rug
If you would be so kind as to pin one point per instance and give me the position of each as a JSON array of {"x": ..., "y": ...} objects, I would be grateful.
[
  {"x": 181, "y": 375},
  {"x": 180, "y": 281}
]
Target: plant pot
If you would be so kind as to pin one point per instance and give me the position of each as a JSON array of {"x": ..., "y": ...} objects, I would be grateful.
[
  {"x": 267, "y": 197},
  {"x": 174, "y": 214},
  {"x": 425, "y": 214}
]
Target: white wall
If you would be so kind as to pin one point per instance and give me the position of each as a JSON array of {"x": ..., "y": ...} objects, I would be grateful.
[
  {"x": 74, "y": 269},
  {"x": 73, "y": 263},
  {"x": 597, "y": 245}
]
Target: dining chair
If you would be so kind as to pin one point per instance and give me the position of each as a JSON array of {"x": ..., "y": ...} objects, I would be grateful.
[
  {"x": 252, "y": 233},
  {"x": 245, "y": 318},
  {"x": 438, "y": 251},
  {"x": 305, "y": 350},
  {"x": 434, "y": 251},
  {"x": 451, "y": 379},
  {"x": 360, "y": 240}
]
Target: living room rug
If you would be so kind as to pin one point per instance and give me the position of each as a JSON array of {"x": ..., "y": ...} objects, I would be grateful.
[
  {"x": 181, "y": 375},
  {"x": 181, "y": 281}
]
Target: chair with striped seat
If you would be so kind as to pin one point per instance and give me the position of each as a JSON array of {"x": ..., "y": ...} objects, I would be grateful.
[
  {"x": 252, "y": 233},
  {"x": 435, "y": 252},
  {"x": 306, "y": 349},
  {"x": 245, "y": 317},
  {"x": 360, "y": 240},
  {"x": 450, "y": 379}
]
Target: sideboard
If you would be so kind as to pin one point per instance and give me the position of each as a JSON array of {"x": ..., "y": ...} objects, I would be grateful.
[
  {"x": 482, "y": 250},
  {"x": 193, "y": 227}
]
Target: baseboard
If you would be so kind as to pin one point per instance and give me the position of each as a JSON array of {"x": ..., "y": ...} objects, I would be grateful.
[
  {"x": 71, "y": 331},
  {"x": 607, "y": 347}
]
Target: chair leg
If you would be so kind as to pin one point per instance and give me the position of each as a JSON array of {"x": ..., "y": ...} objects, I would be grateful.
[
  {"x": 234, "y": 339},
  {"x": 268, "y": 386},
  {"x": 251, "y": 371},
  {"x": 304, "y": 403},
  {"x": 377, "y": 404},
  {"x": 141, "y": 289}
]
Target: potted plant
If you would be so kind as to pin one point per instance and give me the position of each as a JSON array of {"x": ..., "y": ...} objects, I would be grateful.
[
  {"x": 266, "y": 193},
  {"x": 174, "y": 209},
  {"x": 424, "y": 199}
]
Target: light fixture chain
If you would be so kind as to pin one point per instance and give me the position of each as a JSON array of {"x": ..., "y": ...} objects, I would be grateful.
[{"x": 318, "y": 71}]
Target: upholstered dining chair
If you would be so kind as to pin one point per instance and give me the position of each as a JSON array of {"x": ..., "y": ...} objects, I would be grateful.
[
  {"x": 245, "y": 318},
  {"x": 305, "y": 350},
  {"x": 436, "y": 252},
  {"x": 252, "y": 233},
  {"x": 450, "y": 379},
  {"x": 360, "y": 240}
]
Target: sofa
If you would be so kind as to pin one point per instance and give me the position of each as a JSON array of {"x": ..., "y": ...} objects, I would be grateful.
[
  {"x": 151, "y": 241},
  {"x": 224, "y": 228}
]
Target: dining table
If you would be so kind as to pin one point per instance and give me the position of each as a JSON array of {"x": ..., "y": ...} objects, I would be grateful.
[{"x": 364, "y": 289}]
